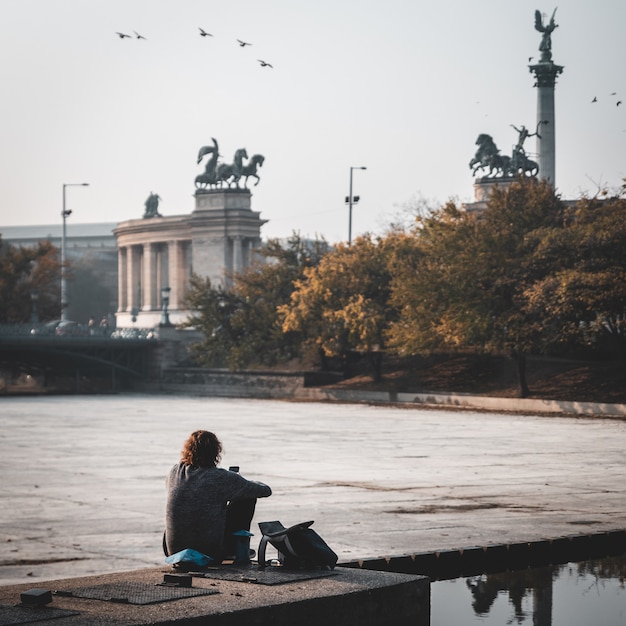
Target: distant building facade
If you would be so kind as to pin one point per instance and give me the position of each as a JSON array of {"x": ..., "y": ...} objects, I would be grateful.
[{"x": 161, "y": 253}]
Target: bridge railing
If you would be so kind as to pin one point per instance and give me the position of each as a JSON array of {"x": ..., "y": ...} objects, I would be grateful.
[{"x": 48, "y": 331}]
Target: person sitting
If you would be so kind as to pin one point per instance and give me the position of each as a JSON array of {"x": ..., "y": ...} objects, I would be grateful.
[{"x": 206, "y": 504}]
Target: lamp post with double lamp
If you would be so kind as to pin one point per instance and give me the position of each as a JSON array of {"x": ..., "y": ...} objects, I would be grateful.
[
  {"x": 65, "y": 213},
  {"x": 352, "y": 200}
]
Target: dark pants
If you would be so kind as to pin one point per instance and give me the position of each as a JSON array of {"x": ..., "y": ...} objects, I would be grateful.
[{"x": 239, "y": 514}]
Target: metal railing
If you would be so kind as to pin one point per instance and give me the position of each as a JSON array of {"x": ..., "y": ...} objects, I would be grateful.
[{"x": 49, "y": 331}]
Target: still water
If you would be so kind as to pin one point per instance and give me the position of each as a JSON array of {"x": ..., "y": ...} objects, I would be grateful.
[{"x": 589, "y": 593}]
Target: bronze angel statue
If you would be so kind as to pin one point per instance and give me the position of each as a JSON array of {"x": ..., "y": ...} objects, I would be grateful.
[{"x": 545, "y": 46}]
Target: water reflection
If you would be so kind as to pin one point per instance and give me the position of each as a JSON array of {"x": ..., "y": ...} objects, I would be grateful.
[{"x": 574, "y": 594}]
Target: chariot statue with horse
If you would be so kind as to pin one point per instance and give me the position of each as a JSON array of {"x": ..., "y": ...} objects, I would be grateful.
[
  {"x": 227, "y": 175},
  {"x": 498, "y": 165}
]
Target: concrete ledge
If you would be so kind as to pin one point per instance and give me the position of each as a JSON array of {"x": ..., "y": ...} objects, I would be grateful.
[
  {"x": 528, "y": 405},
  {"x": 518, "y": 405},
  {"x": 350, "y": 598},
  {"x": 474, "y": 560},
  {"x": 290, "y": 386}
]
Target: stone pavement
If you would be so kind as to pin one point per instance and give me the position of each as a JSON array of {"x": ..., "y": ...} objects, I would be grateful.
[
  {"x": 343, "y": 597},
  {"x": 83, "y": 477}
]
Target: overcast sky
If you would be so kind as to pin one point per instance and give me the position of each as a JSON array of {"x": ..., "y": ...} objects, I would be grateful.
[{"x": 402, "y": 87}]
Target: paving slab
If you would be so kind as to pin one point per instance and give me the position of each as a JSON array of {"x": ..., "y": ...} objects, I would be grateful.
[{"x": 83, "y": 490}]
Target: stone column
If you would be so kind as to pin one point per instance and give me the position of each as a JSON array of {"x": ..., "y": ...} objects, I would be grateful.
[
  {"x": 184, "y": 275},
  {"x": 237, "y": 253},
  {"x": 545, "y": 79},
  {"x": 133, "y": 275},
  {"x": 161, "y": 271},
  {"x": 122, "y": 283},
  {"x": 149, "y": 277},
  {"x": 174, "y": 273}
]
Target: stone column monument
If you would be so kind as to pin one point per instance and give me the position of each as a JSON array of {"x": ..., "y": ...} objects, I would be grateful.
[
  {"x": 224, "y": 229},
  {"x": 545, "y": 72}
]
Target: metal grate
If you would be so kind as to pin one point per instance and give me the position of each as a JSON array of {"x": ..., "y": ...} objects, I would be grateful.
[
  {"x": 19, "y": 614},
  {"x": 269, "y": 576},
  {"x": 137, "y": 592}
]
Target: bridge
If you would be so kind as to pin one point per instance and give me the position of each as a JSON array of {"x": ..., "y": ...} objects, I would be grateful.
[{"x": 35, "y": 360}]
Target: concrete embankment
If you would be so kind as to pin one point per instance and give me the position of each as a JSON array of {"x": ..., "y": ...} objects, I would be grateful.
[
  {"x": 295, "y": 386},
  {"x": 343, "y": 597}
]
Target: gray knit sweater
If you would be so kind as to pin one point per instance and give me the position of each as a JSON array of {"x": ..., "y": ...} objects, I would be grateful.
[{"x": 196, "y": 506}]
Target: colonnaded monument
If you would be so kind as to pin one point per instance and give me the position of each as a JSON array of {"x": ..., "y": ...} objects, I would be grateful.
[
  {"x": 156, "y": 257},
  {"x": 500, "y": 169}
]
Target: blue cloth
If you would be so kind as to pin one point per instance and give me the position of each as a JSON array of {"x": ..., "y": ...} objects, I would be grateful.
[{"x": 189, "y": 556}]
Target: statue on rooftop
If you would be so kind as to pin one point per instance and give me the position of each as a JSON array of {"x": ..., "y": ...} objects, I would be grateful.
[
  {"x": 218, "y": 174},
  {"x": 249, "y": 169},
  {"x": 152, "y": 206},
  {"x": 209, "y": 177}
]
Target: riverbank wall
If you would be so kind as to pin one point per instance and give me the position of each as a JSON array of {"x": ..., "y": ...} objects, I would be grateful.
[{"x": 302, "y": 386}]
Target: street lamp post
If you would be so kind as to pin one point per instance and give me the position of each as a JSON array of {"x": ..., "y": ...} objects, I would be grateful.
[
  {"x": 34, "y": 310},
  {"x": 165, "y": 299},
  {"x": 65, "y": 214},
  {"x": 351, "y": 200}
]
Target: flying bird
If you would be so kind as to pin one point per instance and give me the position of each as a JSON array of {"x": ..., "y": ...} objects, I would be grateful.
[
  {"x": 243, "y": 44},
  {"x": 123, "y": 35},
  {"x": 264, "y": 63},
  {"x": 203, "y": 33},
  {"x": 138, "y": 36},
  {"x": 594, "y": 99}
]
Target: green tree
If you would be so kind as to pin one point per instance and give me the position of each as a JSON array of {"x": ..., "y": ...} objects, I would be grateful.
[
  {"x": 240, "y": 324},
  {"x": 213, "y": 309},
  {"x": 341, "y": 306},
  {"x": 583, "y": 298},
  {"x": 28, "y": 270},
  {"x": 467, "y": 285},
  {"x": 432, "y": 283}
]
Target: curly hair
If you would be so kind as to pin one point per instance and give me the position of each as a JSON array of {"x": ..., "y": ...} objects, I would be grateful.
[{"x": 202, "y": 449}]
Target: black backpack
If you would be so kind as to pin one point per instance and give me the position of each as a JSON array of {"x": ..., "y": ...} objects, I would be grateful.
[{"x": 299, "y": 547}]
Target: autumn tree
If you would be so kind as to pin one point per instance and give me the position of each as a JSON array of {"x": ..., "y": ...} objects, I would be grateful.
[
  {"x": 583, "y": 298},
  {"x": 432, "y": 284},
  {"x": 24, "y": 271},
  {"x": 341, "y": 306},
  {"x": 240, "y": 324},
  {"x": 466, "y": 282}
]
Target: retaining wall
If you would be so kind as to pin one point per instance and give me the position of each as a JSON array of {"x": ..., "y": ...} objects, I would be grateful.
[{"x": 296, "y": 386}]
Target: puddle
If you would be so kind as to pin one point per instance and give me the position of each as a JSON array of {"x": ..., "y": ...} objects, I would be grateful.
[{"x": 572, "y": 594}]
